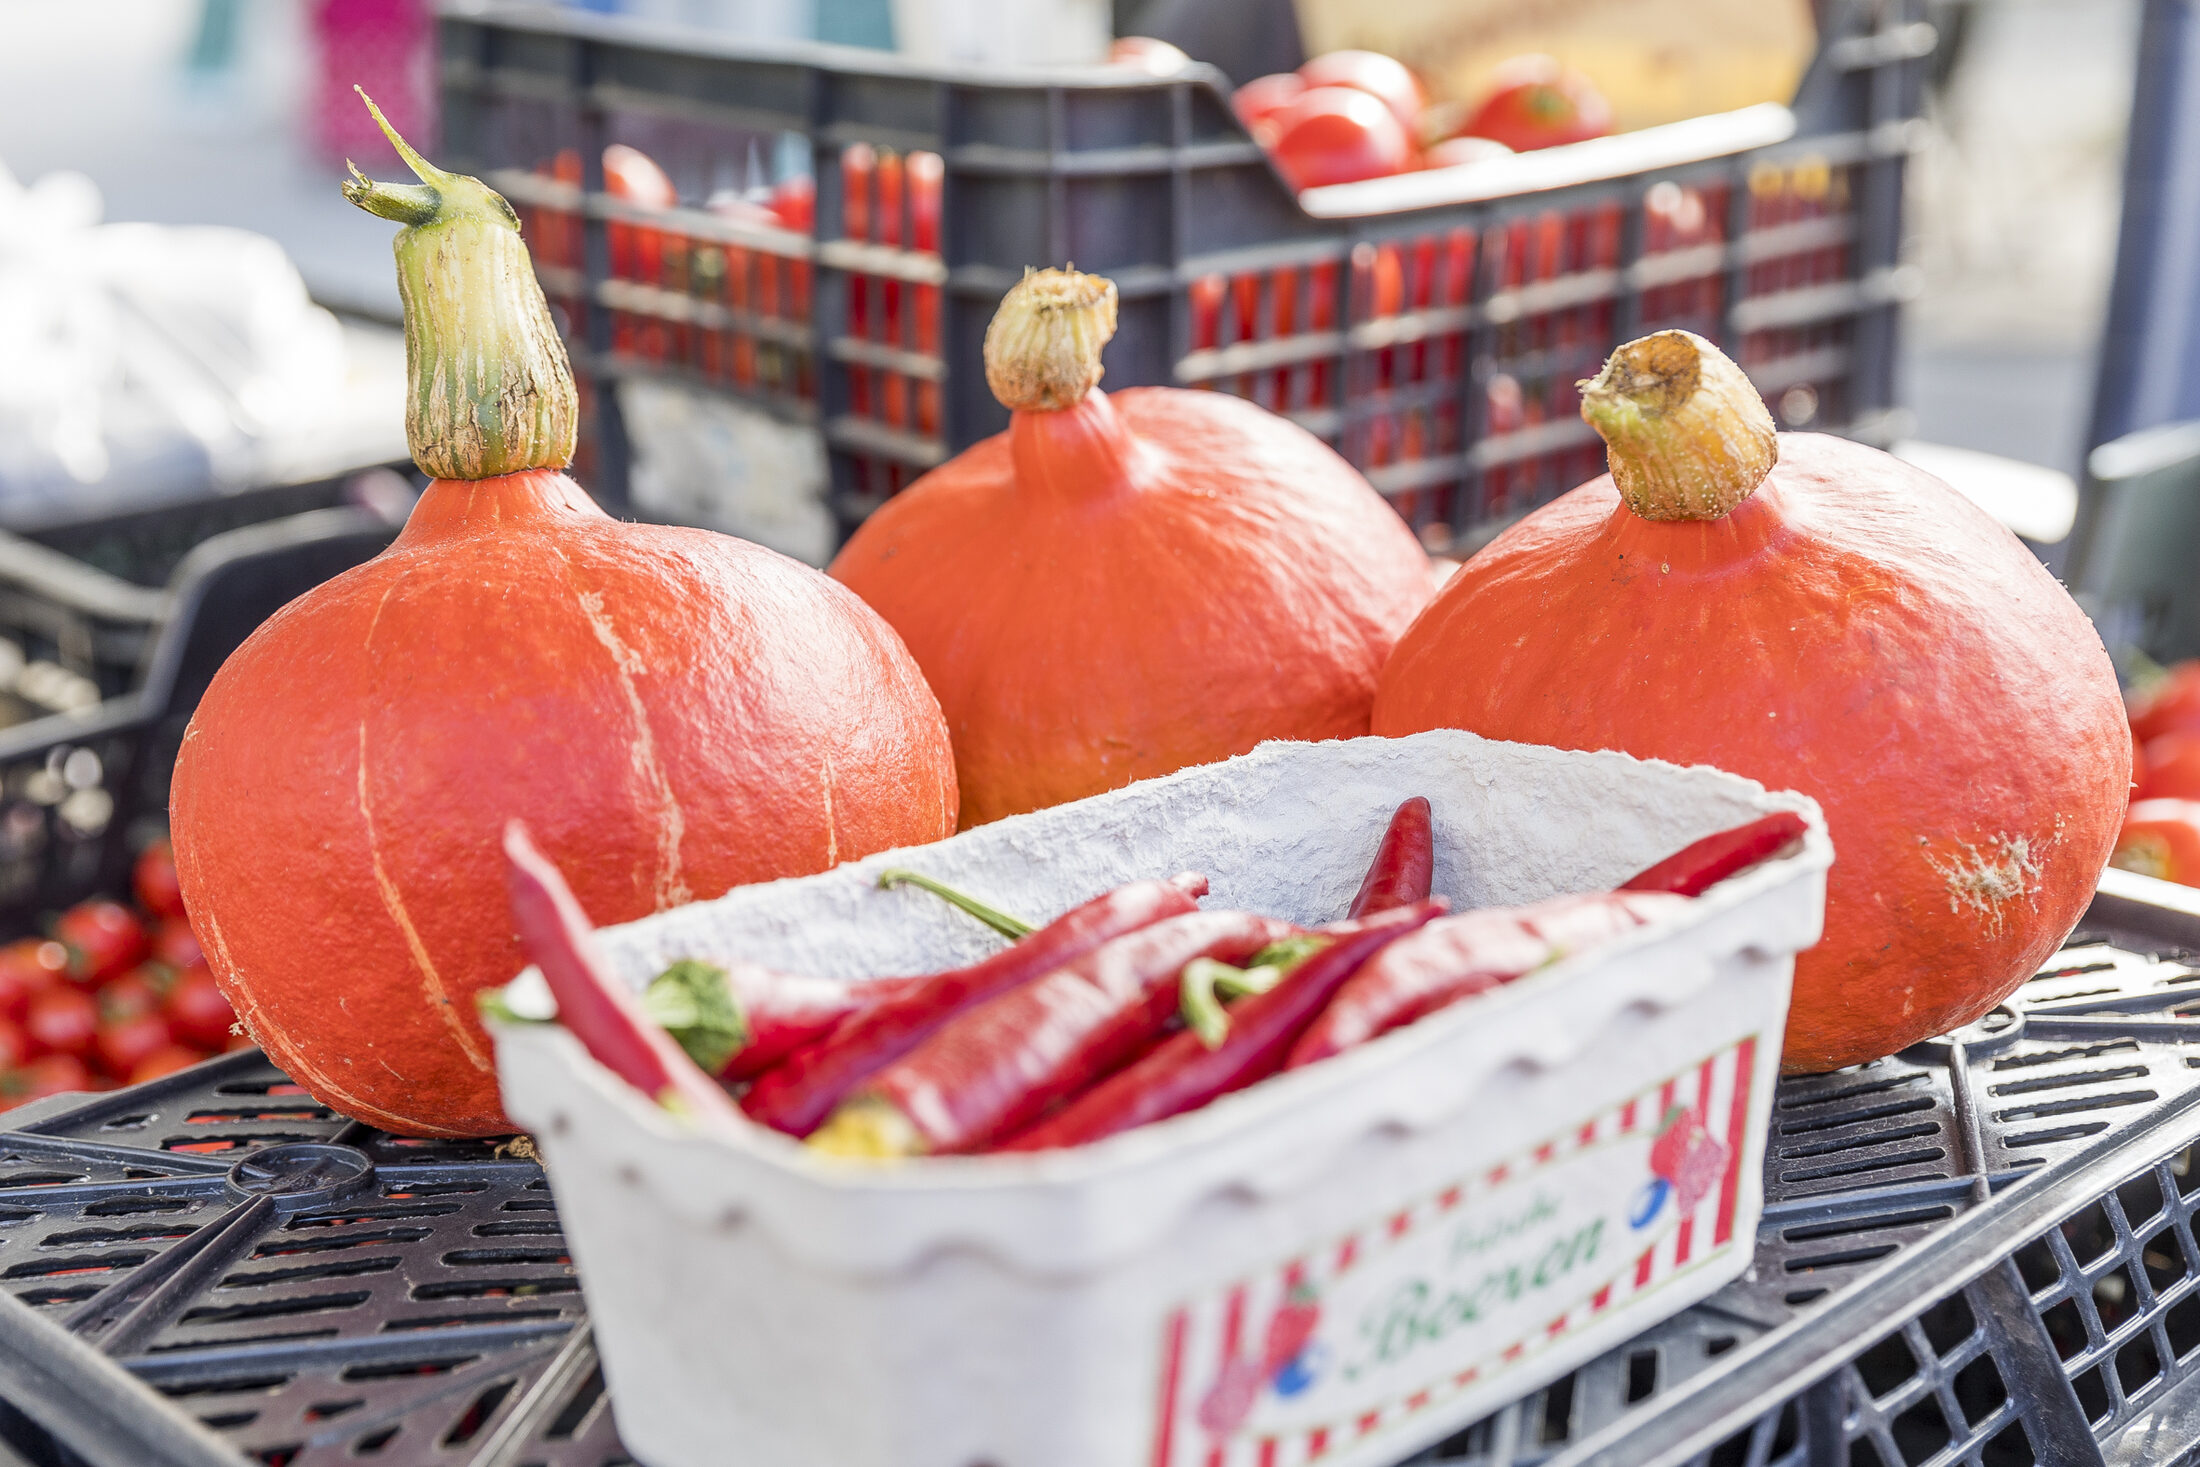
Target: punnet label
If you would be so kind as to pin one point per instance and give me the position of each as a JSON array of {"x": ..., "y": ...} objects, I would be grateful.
[{"x": 1410, "y": 1309}]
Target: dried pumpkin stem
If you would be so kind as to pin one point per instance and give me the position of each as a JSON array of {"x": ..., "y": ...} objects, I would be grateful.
[
  {"x": 1688, "y": 436},
  {"x": 489, "y": 389},
  {"x": 1042, "y": 352}
]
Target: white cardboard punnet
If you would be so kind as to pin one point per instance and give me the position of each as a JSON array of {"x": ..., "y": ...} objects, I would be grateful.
[{"x": 1344, "y": 1263}]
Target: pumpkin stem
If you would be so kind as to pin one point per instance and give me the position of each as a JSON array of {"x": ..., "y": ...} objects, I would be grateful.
[
  {"x": 1688, "y": 436},
  {"x": 1042, "y": 352},
  {"x": 489, "y": 389}
]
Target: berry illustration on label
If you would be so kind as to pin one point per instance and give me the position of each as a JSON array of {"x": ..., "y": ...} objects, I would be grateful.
[
  {"x": 1688, "y": 1157},
  {"x": 1290, "y": 1329},
  {"x": 1288, "y": 1360}
]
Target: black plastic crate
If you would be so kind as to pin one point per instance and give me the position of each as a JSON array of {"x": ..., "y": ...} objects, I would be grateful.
[
  {"x": 278, "y": 1282},
  {"x": 1433, "y": 336},
  {"x": 82, "y": 791},
  {"x": 1981, "y": 1252},
  {"x": 89, "y": 595}
]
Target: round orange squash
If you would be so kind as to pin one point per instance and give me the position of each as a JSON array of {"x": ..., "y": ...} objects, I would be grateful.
[
  {"x": 672, "y": 712},
  {"x": 1853, "y": 629},
  {"x": 1120, "y": 586}
]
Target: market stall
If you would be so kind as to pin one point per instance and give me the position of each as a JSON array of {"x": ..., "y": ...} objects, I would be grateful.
[{"x": 1145, "y": 956}]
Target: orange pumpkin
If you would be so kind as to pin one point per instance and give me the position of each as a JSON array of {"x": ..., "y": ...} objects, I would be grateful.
[
  {"x": 1853, "y": 629},
  {"x": 673, "y": 712},
  {"x": 1120, "y": 586}
]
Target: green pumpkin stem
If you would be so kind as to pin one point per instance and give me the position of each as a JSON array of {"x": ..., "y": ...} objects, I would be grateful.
[{"x": 489, "y": 389}]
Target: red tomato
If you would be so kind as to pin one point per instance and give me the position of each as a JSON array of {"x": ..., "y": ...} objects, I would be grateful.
[
  {"x": 47, "y": 1075},
  {"x": 62, "y": 1021},
  {"x": 1260, "y": 99},
  {"x": 176, "y": 944},
  {"x": 1464, "y": 152},
  {"x": 2173, "y": 766},
  {"x": 122, "y": 1044},
  {"x": 130, "y": 994},
  {"x": 794, "y": 202},
  {"x": 1338, "y": 135},
  {"x": 15, "y": 1045},
  {"x": 28, "y": 968},
  {"x": 2170, "y": 702},
  {"x": 1384, "y": 78},
  {"x": 166, "y": 1060},
  {"x": 1154, "y": 57},
  {"x": 632, "y": 175},
  {"x": 103, "y": 939},
  {"x": 1533, "y": 102},
  {"x": 197, "y": 1012},
  {"x": 154, "y": 881},
  {"x": 2138, "y": 766},
  {"x": 2161, "y": 838}
]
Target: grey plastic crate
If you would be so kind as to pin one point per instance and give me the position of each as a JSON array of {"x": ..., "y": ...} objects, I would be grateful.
[
  {"x": 82, "y": 791},
  {"x": 1435, "y": 343},
  {"x": 1979, "y": 1253}
]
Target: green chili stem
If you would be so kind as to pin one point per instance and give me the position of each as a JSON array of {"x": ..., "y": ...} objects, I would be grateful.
[
  {"x": 1009, "y": 927},
  {"x": 1245, "y": 982},
  {"x": 1208, "y": 981},
  {"x": 1199, "y": 1002}
]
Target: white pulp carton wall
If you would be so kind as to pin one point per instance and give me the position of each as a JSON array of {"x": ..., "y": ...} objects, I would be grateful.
[{"x": 1344, "y": 1263}]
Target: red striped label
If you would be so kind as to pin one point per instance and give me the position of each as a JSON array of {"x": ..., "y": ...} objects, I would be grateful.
[
  {"x": 1172, "y": 1364},
  {"x": 1595, "y": 1216},
  {"x": 1737, "y": 1122},
  {"x": 1684, "y": 1244}
]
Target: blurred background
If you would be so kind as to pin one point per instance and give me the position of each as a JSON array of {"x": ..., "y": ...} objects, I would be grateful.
[
  {"x": 235, "y": 115},
  {"x": 221, "y": 112}
]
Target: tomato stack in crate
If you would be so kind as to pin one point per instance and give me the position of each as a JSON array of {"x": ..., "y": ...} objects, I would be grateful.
[
  {"x": 112, "y": 996},
  {"x": 109, "y": 629}
]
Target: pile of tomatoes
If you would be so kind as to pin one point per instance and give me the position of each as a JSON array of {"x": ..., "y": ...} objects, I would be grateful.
[
  {"x": 112, "y": 996},
  {"x": 1349, "y": 115}
]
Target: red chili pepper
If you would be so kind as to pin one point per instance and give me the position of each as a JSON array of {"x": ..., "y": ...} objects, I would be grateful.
[
  {"x": 737, "y": 1020},
  {"x": 1695, "y": 869},
  {"x": 601, "y": 1011},
  {"x": 1001, "y": 1065},
  {"x": 1461, "y": 956},
  {"x": 1572, "y": 924},
  {"x": 796, "y": 1015},
  {"x": 1183, "y": 1074},
  {"x": 1404, "y": 864},
  {"x": 797, "y": 1095}
]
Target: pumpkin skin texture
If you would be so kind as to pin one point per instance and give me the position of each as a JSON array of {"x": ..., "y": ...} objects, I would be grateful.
[
  {"x": 1858, "y": 631},
  {"x": 672, "y": 712},
  {"x": 1138, "y": 583}
]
